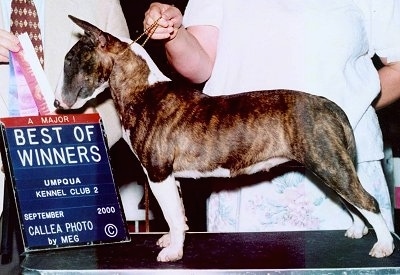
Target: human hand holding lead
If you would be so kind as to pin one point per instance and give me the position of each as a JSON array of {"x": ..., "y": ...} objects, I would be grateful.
[{"x": 169, "y": 20}]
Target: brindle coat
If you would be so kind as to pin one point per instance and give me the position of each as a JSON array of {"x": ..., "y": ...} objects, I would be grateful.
[{"x": 177, "y": 130}]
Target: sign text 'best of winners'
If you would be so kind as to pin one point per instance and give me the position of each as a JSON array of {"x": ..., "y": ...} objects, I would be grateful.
[{"x": 62, "y": 181}]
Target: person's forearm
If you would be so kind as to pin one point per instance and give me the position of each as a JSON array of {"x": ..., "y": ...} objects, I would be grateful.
[
  {"x": 390, "y": 86},
  {"x": 188, "y": 57}
]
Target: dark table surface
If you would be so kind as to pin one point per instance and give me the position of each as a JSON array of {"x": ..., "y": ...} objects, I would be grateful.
[{"x": 311, "y": 252}]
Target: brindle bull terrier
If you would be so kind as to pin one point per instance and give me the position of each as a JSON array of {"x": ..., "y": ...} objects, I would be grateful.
[{"x": 177, "y": 131}]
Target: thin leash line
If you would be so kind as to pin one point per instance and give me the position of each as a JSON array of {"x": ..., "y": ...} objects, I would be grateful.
[{"x": 149, "y": 31}]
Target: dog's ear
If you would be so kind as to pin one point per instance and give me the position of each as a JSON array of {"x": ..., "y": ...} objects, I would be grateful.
[{"x": 97, "y": 36}]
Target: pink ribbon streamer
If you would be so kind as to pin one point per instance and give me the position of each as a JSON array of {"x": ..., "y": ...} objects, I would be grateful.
[{"x": 31, "y": 82}]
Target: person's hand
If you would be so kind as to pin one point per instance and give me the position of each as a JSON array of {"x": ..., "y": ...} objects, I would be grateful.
[
  {"x": 8, "y": 42},
  {"x": 389, "y": 76},
  {"x": 168, "y": 24}
]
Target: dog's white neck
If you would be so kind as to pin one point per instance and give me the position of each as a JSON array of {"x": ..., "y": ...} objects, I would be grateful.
[{"x": 155, "y": 74}]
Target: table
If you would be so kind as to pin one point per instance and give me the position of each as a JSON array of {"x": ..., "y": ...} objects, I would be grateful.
[{"x": 310, "y": 252}]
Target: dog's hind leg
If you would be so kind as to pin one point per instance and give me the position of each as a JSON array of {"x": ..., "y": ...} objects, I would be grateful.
[
  {"x": 338, "y": 173},
  {"x": 369, "y": 208},
  {"x": 358, "y": 229},
  {"x": 168, "y": 197},
  {"x": 384, "y": 246}
]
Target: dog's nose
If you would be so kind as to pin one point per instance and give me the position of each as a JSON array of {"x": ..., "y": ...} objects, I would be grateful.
[{"x": 57, "y": 104}]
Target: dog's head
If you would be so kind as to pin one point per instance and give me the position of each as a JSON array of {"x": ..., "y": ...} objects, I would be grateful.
[{"x": 87, "y": 66}]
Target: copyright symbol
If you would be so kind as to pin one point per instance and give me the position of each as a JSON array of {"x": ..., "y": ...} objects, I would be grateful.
[{"x": 111, "y": 230}]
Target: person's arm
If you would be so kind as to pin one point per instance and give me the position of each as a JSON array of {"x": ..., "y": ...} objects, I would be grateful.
[
  {"x": 190, "y": 50},
  {"x": 389, "y": 76},
  {"x": 8, "y": 42}
]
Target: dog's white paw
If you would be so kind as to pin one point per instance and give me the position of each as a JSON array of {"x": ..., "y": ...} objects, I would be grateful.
[
  {"x": 382, "y": 249},
  {"x": 170, "y": 254},
  {"x": 164, "y": 241},
  {"x": 356, "y": 231}
]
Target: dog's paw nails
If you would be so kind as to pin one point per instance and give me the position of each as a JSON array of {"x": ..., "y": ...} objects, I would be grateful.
[
  {"x": 380, "y": 249},
  {"x": 356, "y": 232},
  {"x": 170, "y": 254},
  {"x": 164, "y": 241}
]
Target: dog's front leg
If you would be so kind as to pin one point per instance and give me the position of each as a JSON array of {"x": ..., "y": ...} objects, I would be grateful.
[{"x": 167, "y": 195}]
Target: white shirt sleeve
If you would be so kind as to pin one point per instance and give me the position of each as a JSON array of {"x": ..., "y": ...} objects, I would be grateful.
[
  {"x": 383, "y": 27},
  {"x": 203, "y": 12}
]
